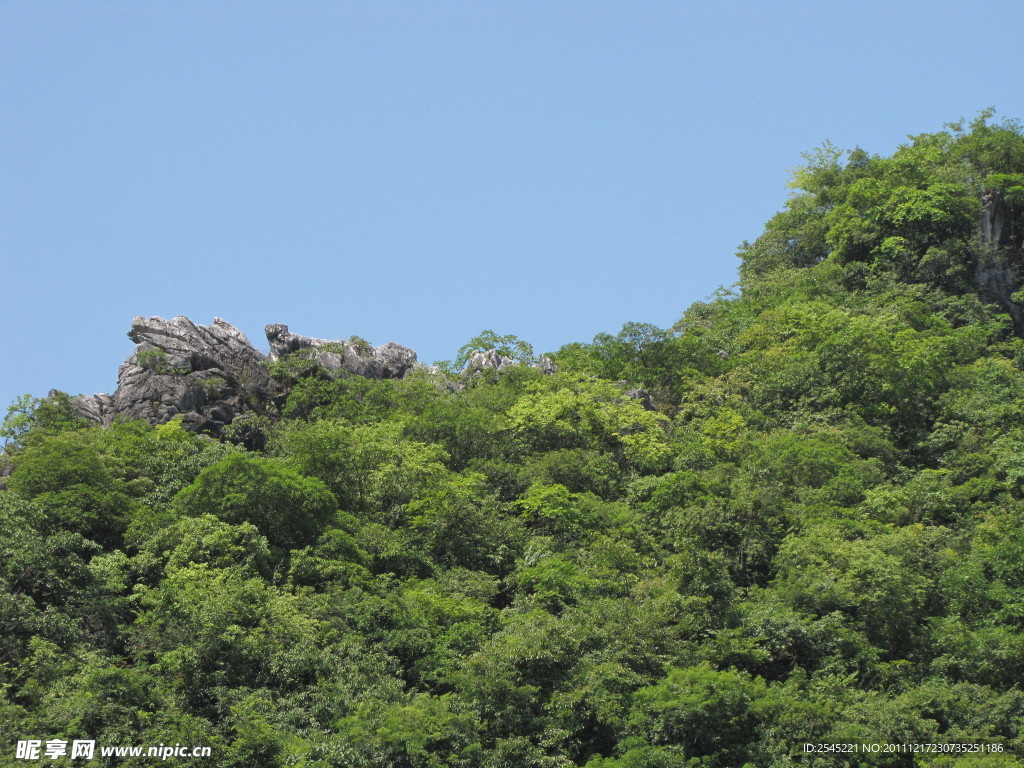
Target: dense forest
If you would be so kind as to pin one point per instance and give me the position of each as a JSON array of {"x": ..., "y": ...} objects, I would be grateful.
[{"x": 796, "y": 517}]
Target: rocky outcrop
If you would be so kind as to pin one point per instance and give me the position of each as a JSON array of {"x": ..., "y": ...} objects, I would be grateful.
[
  {"x": 388, "y": 361},
  {"x": 643, "y": 396},
  {"x": 492, "y": 360},
  {"x": 210, "y": 374},
  {"x": 546, "y": 365},
  {"x": 94, "y": 408},
  {"x": 999, "y": 269},
  {"x": 487, "y": 361},
  {"x": 207, "y": 374}
]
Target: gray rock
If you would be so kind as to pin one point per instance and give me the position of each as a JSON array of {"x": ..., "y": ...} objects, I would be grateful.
[
  {"x": 546, "y": 365},
  {"x": 210, "y": 374},
  {"x": 206, "y": 374},
  {"x": 284, "y": 343},
  {"x": 388, "y": 361},
  {"x": 490, "y": 360},
  {"x": 643, "y": 396},
  {"x": 99, "y": 408},
  {"x": 394, "y": 360}
]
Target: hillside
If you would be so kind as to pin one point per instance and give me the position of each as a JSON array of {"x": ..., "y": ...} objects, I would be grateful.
[{"x": 796, "y": 517}]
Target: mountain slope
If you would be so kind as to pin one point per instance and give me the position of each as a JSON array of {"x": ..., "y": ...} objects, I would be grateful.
[{"x": 793, "y": 519}]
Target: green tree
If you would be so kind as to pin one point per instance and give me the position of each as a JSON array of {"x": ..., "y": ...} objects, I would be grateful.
[
  {"x": 287, "y": 508},
  {"x": 74, "y": 485},
  {"x": 510, "y": 346}
]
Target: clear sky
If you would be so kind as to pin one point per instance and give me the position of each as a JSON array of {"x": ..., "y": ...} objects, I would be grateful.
[{"x": 420, "y": 171}]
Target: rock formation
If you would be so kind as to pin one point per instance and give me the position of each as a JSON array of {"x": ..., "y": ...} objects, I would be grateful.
[
  {"x": 643, "y": 396},
  {"x": 546, "y": 365},
  {"x": 487, "y": 361},
  {"x": 210, "y": 374},
  {"x": 1000, "y": 261},
  {"x": 492, "y": 360},
  {"x": 388, "y": 361}
]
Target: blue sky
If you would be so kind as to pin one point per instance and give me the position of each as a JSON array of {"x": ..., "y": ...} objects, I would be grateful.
[{"x": 417, "y": 172}]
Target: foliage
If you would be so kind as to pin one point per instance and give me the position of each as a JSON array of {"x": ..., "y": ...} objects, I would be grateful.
[
  {"x": 156, "y": 360},
  {"x": 287, "y": 508},
  {"x": 509, "y": 345},
  {"x": 31, "y": 416}
]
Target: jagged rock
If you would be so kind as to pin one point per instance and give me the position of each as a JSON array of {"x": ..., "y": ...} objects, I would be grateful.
[
  {"x": 546, "y": 365},
  {"x": 643, "y": 396},
  {"x": 98, "y": 408},
  {"x": 492, "y": 359},
  {"x": 388, "y": 361},
  {"x": 210, "y": 374},
  {"x": 206, "y": 374},
  {"x": 394, "y": 360},
  {"x": 997, "y": 271},
  {"x": 481, "y": 361}
]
